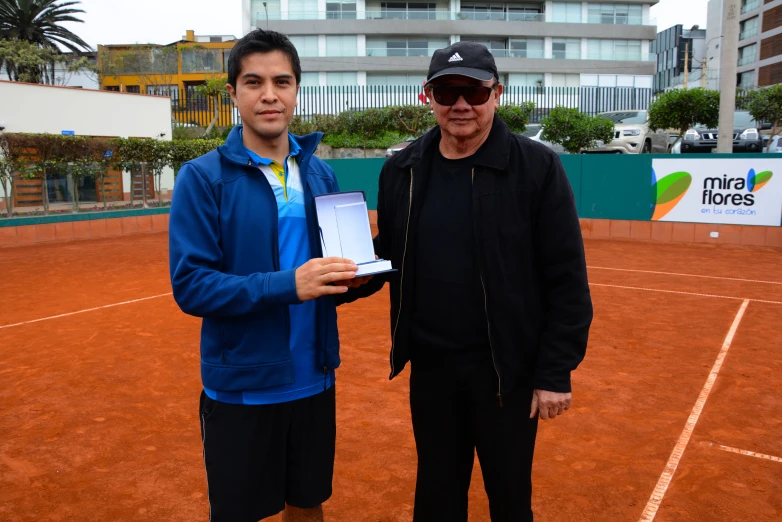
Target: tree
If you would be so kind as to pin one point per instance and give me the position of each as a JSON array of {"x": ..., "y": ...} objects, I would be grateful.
[
  {"x": 156, "y": 66},
  {"x": 26, "y": 62},
  {"x": 38, "y": 22},
  {"x": 7, "y": 174},
  {"x": 516, "y": 117},
  {"x": 765, "y": 105},
  {"x": 576, "y": 131},
  {"x": 681, "y": 110},
  {"x": 213, "y": 89}
]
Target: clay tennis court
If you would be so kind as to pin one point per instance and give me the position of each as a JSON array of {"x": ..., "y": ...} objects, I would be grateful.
[{"x": 99, "y": 386}]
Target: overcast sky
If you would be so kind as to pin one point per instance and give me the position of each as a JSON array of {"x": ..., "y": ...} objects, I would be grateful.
[{"x": 165, "y": 21}]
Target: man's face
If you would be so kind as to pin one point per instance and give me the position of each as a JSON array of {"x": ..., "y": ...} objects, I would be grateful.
[
  {"x": 265, "y": 93},
  {"x": 463, "y": 120}
]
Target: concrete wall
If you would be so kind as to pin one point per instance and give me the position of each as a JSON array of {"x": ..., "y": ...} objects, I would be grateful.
[{"x": 45, "y": 109}]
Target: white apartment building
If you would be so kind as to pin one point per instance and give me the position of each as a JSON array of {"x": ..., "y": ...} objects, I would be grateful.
[{"x": 535, "y": 42}]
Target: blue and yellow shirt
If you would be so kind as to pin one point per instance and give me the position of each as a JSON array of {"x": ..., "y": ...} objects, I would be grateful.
[{"x": 285, "y": 180}]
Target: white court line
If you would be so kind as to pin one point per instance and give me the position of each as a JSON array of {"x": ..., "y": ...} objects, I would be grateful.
[
  {"x": 748, "y": 453},
  {"x": 673, "y": 461},
  {"x": 686, "y": 293},
  {"x": 686, "y": 275},
  {"x": 82, "y": 311}
]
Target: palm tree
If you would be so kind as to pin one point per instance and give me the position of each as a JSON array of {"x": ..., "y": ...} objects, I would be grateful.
[{"x": 37, "y": 22}]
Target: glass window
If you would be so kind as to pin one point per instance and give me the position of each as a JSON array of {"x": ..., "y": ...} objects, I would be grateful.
[
  {"x": 302, "y": 10},
  {"x": 306, "y": 46},
  {"x": 747, "y": 80},
  {"x": 310, "y": 79},
  {"x": 197, "y": 59},
  {"x": 567, "y": 12},
  {"x": 618, "y": 50},
  {"x": 342, "y": 78},
  {"x": 341, "y": 46},
  {"x": 395, "y": 79},
  {"x": 569, "y": 49},
  {"x": 527, "y": 48},
  {"x": 565, "y": 80},
  {"x": 260, "y": 13},
  {"x": 339, "y": 10},
  {"x": 526, "y": 79}
]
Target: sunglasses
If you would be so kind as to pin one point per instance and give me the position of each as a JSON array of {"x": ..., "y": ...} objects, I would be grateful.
[{"x": 473, "y": 94}]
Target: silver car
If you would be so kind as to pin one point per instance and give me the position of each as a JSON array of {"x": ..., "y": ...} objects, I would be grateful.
[
  {"x": 632, "y": 135},
  {"x": 534, "y": 131}
]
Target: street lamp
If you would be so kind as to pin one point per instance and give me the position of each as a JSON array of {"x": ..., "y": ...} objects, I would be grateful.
[{"x": 267, "y": 15}]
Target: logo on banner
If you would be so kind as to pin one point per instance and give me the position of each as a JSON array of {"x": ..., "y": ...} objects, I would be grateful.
[
  {"x": 668, "y": 192},
  {"x": 756, "y": 182}
]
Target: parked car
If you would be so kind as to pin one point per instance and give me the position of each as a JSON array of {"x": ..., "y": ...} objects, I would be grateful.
[
  {"x": 672, "y": 140},
  {"x": 399, "y": 146},
  {"x": 534, "y": 131},
  {"x": 632, "y": 135},
  {"x": 776, "y": 144},
  {"x": 746, "y": 136}
]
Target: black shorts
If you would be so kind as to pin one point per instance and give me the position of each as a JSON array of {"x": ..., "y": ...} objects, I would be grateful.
[{"x": 258, "y": 458}]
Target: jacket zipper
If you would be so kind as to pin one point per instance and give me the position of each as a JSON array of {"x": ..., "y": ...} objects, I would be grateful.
[
  {"x": 488, "y": 323},
  {"x": 402, "y": 274}
]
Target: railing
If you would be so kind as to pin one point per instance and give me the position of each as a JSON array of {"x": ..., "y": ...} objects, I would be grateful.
[
  {"x": 615, "y": 19},
  {"x": 410, "y": 51},
  {"x": 749, "y": 6},
  {"x": 520, "y": 53},
  {"x": 749, "y": 33},
  {"x": 746, "y": 60},
  {"x": 401, "y": 14},
  {"x": 198, "y": 111}
]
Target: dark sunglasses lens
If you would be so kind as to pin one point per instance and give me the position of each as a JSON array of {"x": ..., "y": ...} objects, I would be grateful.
[{"x": 473, "y": 95}]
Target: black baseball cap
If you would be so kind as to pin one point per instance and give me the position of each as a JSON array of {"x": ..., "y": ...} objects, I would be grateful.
[{"x": 464, "y": 59}]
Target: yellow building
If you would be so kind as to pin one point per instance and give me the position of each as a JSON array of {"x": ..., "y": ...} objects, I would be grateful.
[{"x": 174, "y": 70}]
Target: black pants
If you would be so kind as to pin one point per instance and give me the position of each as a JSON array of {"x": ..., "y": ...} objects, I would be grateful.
[{"x": 456, "y": 411}]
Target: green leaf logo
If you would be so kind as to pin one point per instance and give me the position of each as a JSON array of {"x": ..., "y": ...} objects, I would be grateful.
[
  {"x": 667, "y": 192},
  {"x": 756, "y": 182}
]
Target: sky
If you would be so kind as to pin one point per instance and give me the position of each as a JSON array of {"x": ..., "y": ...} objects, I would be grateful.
[{"x": 165, "y": 21}]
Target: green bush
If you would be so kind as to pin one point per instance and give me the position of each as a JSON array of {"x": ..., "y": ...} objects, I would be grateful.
[
  {"x": 576, "y": 131},
  {"x": 516, "y": 117},
  {"x": 345, "y": 140}
]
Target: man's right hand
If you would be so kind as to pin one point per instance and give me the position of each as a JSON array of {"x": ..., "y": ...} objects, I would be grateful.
[{"x": 313, "y": 278}]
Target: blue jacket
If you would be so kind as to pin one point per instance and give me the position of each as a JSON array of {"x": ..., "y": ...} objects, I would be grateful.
[{"x": 225, "y": 266}]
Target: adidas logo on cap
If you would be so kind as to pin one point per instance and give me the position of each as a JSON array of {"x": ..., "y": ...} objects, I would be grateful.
[{"x": 456, "y": 58}]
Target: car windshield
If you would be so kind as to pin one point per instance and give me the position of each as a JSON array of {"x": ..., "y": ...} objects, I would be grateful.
[
  {"x": 741, "y": 120},
  {"x": 634, "y": 117},
  {"x": 531, "y": 130}
]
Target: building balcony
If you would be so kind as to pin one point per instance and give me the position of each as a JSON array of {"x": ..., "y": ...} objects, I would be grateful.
[
  {"x": 521, "y": 53},
  {"x": 442, "y": 14}
]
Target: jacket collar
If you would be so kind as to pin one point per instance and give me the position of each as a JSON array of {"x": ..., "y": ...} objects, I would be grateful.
[
  {"x": 233, "y": 149},
  {"x": 494, "y": 153}
]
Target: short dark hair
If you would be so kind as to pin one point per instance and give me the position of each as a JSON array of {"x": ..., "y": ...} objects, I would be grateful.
[{"x": 260, "y": 41}]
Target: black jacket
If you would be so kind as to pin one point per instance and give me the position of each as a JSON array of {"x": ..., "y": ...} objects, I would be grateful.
[{"x": 530, "y": 255}]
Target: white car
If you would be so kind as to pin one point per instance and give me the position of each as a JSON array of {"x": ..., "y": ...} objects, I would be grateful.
[
  {"x": 535, "y": 130},
  {"x": 775, "y": 146},
  {"x": 632, "y": 135}
]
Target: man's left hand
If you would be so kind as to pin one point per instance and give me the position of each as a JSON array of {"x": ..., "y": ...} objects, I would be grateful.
[{"x": 549, "y": 404}]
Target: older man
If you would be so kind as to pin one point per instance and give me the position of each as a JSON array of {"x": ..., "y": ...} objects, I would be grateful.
[{"x": 492, "y": 305}]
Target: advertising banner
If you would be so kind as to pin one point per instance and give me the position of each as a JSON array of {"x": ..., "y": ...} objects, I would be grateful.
[{"x": 741, "y": 191}]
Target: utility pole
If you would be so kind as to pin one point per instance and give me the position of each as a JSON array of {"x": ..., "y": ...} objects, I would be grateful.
[
  {"x": 686, "y": 62},
  {"x": 729, "y": 63}
]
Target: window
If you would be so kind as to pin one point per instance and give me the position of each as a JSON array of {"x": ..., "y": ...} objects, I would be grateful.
[
  {"x": 306, "y": 46},
  {"x": 526, "y": 80},
  {"x": 527, "y": 48},
  {"x": 747, "y": 80},
  {"x": 302, "y": 9},
  {"x": 196, "y": 60},
  {"x": 342, "y": 78},
  {"x": 748, "y": 28},
  {"x": 395, "y": 79},
  {"x": 620, "y": 50},
  {"x": 569, "y": 49},
  {"x": 525, "y": 14},
  {"x": 341, "y": 10},
  {"x": 133, "y": 88},
  {"x": 483, "y": 11},
  {"x": 623, "y": 14},
  {"x": 565, "y": 80},
  {"x": 310, "y": 79},
  {"x": 404, "y": 46},
  {"x": 567, "y": 12},
  {"x": 341, "y": 46},
  {"x": 408, "y": 10},
  {"x": 747, "y": 54},
  {"x": 497, "y": 47},
  {"x": 261, "y": 13}
]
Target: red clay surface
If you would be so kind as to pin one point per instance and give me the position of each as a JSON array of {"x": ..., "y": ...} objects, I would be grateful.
[{"x": 98, "y": 410}]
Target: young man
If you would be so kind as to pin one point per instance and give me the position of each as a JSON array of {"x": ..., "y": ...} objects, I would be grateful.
[
  {"x": 245, "y": 256},
  {"x": 492, "y": 305}
]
